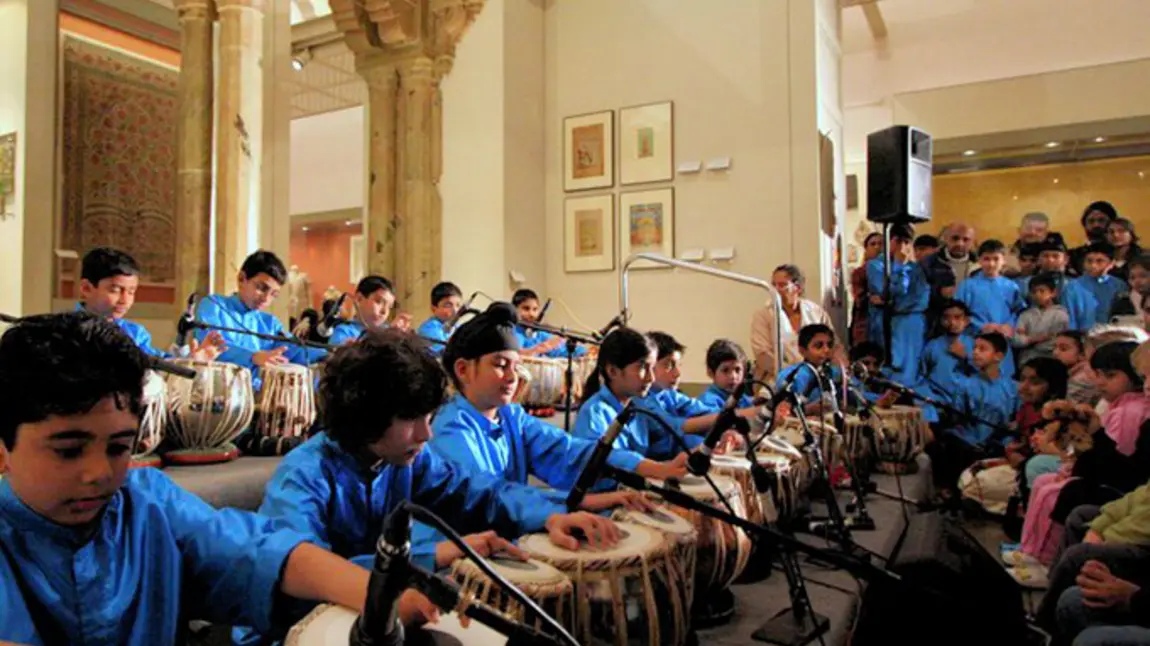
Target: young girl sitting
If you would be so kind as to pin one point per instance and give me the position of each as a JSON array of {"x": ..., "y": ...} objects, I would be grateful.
[
  {"x": 1070, "y": 349},
  {"x": 1111, "y": 461}
]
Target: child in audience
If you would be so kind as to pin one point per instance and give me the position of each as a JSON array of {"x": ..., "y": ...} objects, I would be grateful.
[
  {"x": 870, "y": 355},
  {"x": 911, "y": 294},
  {"x": 1121, "y": 426},
  {"x": 925, "y": 246},
  {"x": 726, "y": 366},
  {"x": 1027, "y": 266},
  {"x": 1070, "y": 349},
  {"x": 446, "y": 301},
  {"x": 108, "y": 282},
  {"x": 1041, "y": 322},
  {"x": 946, "y": 358},
  {"x": 535, "y": 342},
  {"x": 990, "y": 397},
  {"x": 994, "y": 301},
  {"x": 374, "y": 298},
  {"x": 94, "y": 553},
  {"x": 1090, "y": 297}
]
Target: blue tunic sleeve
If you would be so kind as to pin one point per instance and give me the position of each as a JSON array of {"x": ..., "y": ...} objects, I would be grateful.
[
  {"x": 212, "y": 311},
  {"x": 595, "y": 416},
  {"x": 345, "y": 333},
  {"x": 680, "y": 405},
  {"x": 557, "y": 458}
]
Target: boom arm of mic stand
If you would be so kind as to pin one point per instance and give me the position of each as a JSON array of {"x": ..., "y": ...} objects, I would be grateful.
[
  {"x": 279, "y": 338},
  {"x": 904, "y": 390},
  {"x": 561, "y": 332}
]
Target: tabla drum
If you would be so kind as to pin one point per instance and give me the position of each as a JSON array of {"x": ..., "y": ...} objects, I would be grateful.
[
  {"x": 739, "y": 470},
  {"x": 543, "y": 584},
  {"x": 208, "y": 411},
  {"x": 904, "y": 435},
  {"x": 680, "y": 533},
  {"x": 790, "y": 478},
  {"x": 287, "y": 401},
  {"x": 723, "y": 550},
  {"x": 153, "y": 421},
  {"x": 831, "y": 445},
  {"x": 626, "y": 595},
  {"x": 858, "y": 445},
  {"x": 546, "y": 386},
  {"x": 331, "y": 626}
]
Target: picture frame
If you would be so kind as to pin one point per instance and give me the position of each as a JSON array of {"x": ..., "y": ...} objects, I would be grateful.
[
  {"x": 7, "y": 176},
  {"x": 589, "y": 151},
  {"x": 647, "y": 143},
  {"x": 647, "y": 224},
  {"x": 589, "y": 233}
]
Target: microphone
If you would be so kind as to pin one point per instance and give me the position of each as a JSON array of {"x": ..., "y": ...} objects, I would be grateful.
[
  {"x": 606, "y": 329},
  {"x": 787, "y": 391},
  {"x": 187, "y": 322},
  {"x": 379, "y": 624},
  {"x": 543, "y": 312},
  {"x": 590, "y": 474},
  {"x": 330, "y": 320},
  {"x": 463, "y": 311},
  {"x": 699, "y": 461}
]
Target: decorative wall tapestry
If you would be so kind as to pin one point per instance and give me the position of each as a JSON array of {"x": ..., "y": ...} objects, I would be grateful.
[
  {"x": 119, "y": 156},
  {"x": 7, "y": 176}
]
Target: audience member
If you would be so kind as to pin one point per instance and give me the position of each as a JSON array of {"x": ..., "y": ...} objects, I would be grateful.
[
  {"x": 1120, "y": 233},
  {"x": 1096, "y": 219}
]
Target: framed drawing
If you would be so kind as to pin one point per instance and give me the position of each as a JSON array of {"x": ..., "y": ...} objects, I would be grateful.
[
  {"x": 646, "y": 144},
  {"x": 589, "y": 151},
  {"x": 589, "y": 233},
  {"x": 7, "y": 176},
  {"x": 647, "y": 224},
  {"x": 357, "y": 258}
]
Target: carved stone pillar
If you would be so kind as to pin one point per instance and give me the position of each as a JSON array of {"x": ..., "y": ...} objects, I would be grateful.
[
  {"x": 403, "y": 49},
  {"x": 239, "y": 134},
  {"x": 194, "y": 153}
]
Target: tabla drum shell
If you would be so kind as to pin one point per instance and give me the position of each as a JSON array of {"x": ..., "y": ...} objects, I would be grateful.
[
  {"x": 153, "y": 421},
  {"x": 331, "y": 626},
  {"x": 549, "y": 588},
  {"x": 208, "y": 411},
  {"x": 286, "y": 402}
]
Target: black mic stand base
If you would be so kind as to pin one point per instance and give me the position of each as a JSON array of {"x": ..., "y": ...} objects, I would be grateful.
[
  {"x": 788, "y": 628},
  {"x": 714, "y": 610}
]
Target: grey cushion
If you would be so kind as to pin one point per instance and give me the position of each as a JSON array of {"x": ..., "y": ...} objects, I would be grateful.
[{"x": 239, "y": 483}]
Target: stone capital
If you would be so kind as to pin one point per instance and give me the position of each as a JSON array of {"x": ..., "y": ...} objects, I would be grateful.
[
  {"x": 225, "y": 5},
  {"x": 399, "y": 29},
  {"x": 193, "y": 10}
]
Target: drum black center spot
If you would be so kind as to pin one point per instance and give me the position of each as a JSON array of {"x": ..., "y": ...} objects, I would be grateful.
[{"x": 515, "y": 564}]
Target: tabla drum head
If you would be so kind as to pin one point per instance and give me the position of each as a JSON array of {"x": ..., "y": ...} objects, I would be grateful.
[
  {"x": 331, "y": 626},
  {"x": 698, "y": 488},
  {"x": 661, "y": 519},
  {"x": 634, "y": 540},
  {"x": 521, "y": 573},
  {"x": 448, "y": 632},
  {"x": 730, "y": 462}
]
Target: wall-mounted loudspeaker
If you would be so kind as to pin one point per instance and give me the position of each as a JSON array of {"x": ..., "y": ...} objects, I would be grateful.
[{"x": 899, "y": 164}]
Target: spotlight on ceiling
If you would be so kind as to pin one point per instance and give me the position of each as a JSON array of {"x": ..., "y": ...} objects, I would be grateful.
[
  {"x": 304, "y": 229},
  {"x": 300, "y": 59},
  {"x": 1052, "y": 144},
  {"x": 969, "y": 153},
  {"x": 1099, "y": 140}
]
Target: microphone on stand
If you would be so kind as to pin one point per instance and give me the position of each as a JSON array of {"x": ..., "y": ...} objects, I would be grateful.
[
  {"x": 543, "y": 312},
  {"x": 330, "y": 320},
  {"x": 590, "y": 474},
  {"x": 464, "y": 310},
  {"x": 187, "y": 322},
  {"x": 606, "y": 329},
  {"x": 379, "y": 624},
  {"x": 699, "y": 460}
]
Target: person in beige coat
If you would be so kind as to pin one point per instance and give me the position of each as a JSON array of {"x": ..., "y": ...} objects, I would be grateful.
[{"x": 797, "y": 312}]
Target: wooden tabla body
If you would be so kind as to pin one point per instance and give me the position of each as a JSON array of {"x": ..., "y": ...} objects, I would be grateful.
[
  {"x": 153, "y": 421},
  {"x": 739, "y": 470},
  {"x": 287, "y": 401},
  {"x": 208, "y": 412},
  {"x": 546, "y": 386},
  {"x": 904, "y": 434},
  {"x": 680, "y": 533},
  {"x": 331, "y": 626},
  {"x": 858, "y": 448},
  {"x": 628, "y": 595},
  {"x": 543, "y": 584},
  {"x": 791, "y": 477},
  {"x": 824, "y": 433},
  {"x": 724, "y": 550}
]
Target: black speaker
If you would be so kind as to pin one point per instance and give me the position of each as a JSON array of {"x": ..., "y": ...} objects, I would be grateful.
[
  {"x": 954, "y": 593},
  {"x": 899, "y": 166}
]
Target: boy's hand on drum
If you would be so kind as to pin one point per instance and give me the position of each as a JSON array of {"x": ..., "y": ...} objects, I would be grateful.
[
  {"x": 731, "y": 441},
  {"x": 784, "y": 410},
  {"x": 403, "y": 321},
  {"x": 211, "y": 347},
  {"x": 888, "y": 399},
  {"x": 486, "y": 544},
  {"x": 566, "y": 529},
  {"x": 676, "y": 468},
  {"x": 273, "y": 357},
  {"x": 633, "y": 500},
  {"x": 416, "y": 609}
]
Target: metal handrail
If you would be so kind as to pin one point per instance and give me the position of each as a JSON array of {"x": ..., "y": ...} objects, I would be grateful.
[{"x": 703, "y": 269}]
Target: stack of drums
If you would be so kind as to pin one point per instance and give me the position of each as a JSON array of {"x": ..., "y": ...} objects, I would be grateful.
[
  {"x": 153, "y": 421},
  {"x": 545, "y": 384},
  {"x": 286, "y": 410},
  {"x": 208, "y": 411},
  {"x": 625, "y": 595},
  {"x": 549, "y": 588}
]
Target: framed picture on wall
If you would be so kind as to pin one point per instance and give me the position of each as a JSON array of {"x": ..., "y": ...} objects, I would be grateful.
[
  {"x": 647, "y": 224},
  {"x": 589, "y": 151},
  {"x": 646, "y": 144},
  {"x": 589, "y": 233},
  {"x": 357, "y": 258}
]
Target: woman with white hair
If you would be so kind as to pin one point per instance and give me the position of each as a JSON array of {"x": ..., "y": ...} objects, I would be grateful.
[{"x": 797, "y": 312}]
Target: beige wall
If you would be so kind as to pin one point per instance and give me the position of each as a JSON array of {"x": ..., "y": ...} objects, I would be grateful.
[
  {"x": 743, "y": 79},
  {"x": 329, "y": 168},
  {"x": 13, "y": 72}
]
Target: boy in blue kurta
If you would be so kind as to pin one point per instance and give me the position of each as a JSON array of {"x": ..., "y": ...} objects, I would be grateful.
[
  {"x": 482, "y": 431},
  {"x": 910, "y": 293},
  {"x": 994, "y": 301},
  {"x": 109, "y": 279},
  {"x": 257, "y": 285},
  {"x": 446, "y": 301},
  {"x": 536, "y": 342},
  {"x": 377, "y": 397},
  {"x": 805, "y": 379},
  {"x": 727, "y": 368},
  {"x": 1090, "y": 297},
  {"x": 374, "y": 298},
  {"x": 990, "y": 397},
  {"x": 91, "y": 553},
  {"x": 946, "y": 358}
]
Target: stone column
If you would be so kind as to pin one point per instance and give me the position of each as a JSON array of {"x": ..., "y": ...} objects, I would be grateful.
[
  {"x": 382, "y": 87},
  {"x": 194, "y": 152},
  {"x": 239, "y": 134},
  {"x": 418, "y": 260}
]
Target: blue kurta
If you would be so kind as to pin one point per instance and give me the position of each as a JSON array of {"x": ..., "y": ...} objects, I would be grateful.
[
  {"x": 347, "y": 331},
  {"x": 158, "y": 557},
  {"x": 641, "y": 434},
  {"x": 807, "y": 385},
  {"x": 320, "y": 489},
  {"x": 139, "y": 335},
  {"x": 434, "y": 330},
  {"x": 941, "y": 369},
  {"x": 1088, "y": 300},
  {"x": 991, "y": 401},
  {"x": 530, "y": 338},
  {"x": 675, "y": 409},
  {"x": 992, "y": 300},
  {"x": 910, "y": 292},
  {"x": 715, "y": 398},
  {"x": 230, "y": 311}
]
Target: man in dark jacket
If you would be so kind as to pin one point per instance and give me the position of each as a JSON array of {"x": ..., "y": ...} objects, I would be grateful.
[{"x": 1095, "y": 220}]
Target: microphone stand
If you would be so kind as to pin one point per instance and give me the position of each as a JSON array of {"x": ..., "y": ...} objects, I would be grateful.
[
  {"x": 394, "y": 571},
  {"x": 862, "y": 519},
  {"x": 573, "y": 339}
]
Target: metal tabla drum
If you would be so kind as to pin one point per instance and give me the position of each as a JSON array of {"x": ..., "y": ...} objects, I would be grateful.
[
  {"x": 153, "y": 421},
  {"x": 549, "y": 588},
  {"x": 904, "y": 435},
  {"x": 628, "y": 594},
  {"x": 858, "y": 447},
  {"x": 545, "y": 387},
  {"x": 739, "y": 470},
  {"x": 680, "y": 533},
  {"x": 208, "y": 411},
  {"x": 287, "y": 401},
  {"x": 331, "y": 626}
]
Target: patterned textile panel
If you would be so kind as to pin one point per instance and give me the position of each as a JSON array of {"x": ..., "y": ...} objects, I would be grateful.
[{"x": 119, "y": 156}]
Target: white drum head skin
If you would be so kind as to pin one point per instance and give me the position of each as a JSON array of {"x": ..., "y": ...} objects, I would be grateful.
[
  {"x": 635, "y": 540},
  {"x": 661, "y": 519},
  {"x": 331, "y": 626},
  {"x": 698, "y": 488},
  {"x": 449, "y": 632},
  {"x": 730, "y": 462},
  {"x": 772, "y": 444},
  {"x": 154, "y": 386},
  {"x": 531, "y": 572}
]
